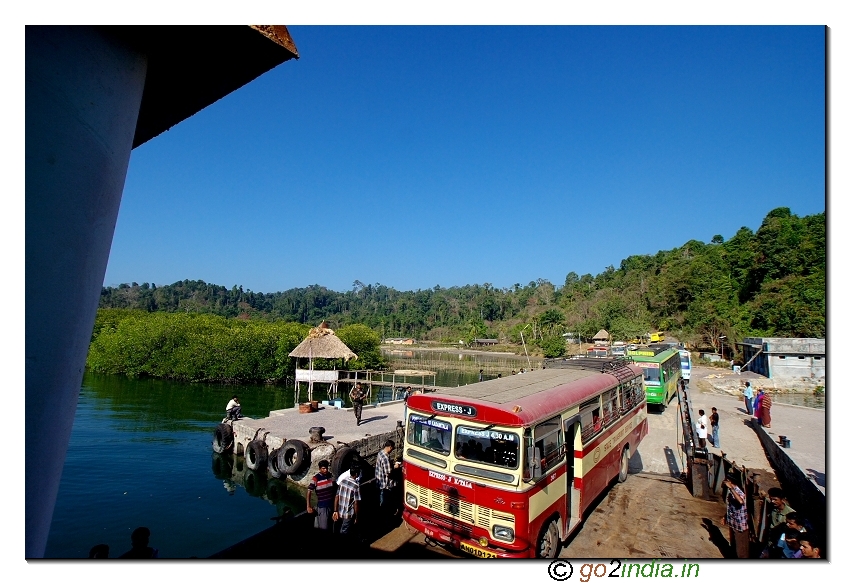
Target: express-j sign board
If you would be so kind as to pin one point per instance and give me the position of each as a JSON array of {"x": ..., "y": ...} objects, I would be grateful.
[{"x": 453, "y": 408}]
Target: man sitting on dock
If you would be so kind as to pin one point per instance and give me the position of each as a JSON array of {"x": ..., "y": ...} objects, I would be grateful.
[
  {"x": 234, "y": 409},
  {"x": 357, "y": 396}
]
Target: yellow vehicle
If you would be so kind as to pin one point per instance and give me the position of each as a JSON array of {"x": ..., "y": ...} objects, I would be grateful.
[{"x": 648, "y": 338}]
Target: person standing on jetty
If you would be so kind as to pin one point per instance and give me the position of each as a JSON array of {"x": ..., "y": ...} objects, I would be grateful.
[
  {"x": 715, "y": 427},
  {"x": 407, "y": 392},
  {"x": 325, "y": 488},
  {"x": 702, "y": 429},
  {"x": 357, "y": 396},
  {"x": 386, "y": 485},
  {"x": 748, "y": 397},
  {"x": 766, "y": 404},
  {"x": 757, "y": 405},
  {"x": 347, "y": 502},
  {"x": 736, "y": 520}
]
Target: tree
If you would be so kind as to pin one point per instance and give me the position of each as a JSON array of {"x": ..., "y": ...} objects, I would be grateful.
[
  {"x": 365, "y": 343},
  {"x": 553, "y": 347}
]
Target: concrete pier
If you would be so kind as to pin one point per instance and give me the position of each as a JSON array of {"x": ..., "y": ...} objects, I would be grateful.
[{"x": 380, "y": 422}]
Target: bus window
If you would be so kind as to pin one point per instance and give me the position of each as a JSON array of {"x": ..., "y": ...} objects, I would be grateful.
[
  {"x": 548, "y": 440},
  {"x": 631, "y": 394},
  {"x": 610, "y": 410},
  {"x": 495, "y": 447},
  {"x": 429, "y": 433},
  {"x": 591, "y": 419}
]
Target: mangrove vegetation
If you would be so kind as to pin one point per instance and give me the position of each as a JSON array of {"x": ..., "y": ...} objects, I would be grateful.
[{"x": 771, "y": 282}]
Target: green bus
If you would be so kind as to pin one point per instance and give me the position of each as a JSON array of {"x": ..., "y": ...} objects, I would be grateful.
[{"x": 662, "y": 369}]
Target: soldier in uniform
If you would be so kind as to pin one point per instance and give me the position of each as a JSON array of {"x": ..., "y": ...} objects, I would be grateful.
[{"x": 357, "y": 396}]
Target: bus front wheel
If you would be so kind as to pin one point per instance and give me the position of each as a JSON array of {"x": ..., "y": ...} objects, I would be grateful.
[{"x": 549, "y": 543}]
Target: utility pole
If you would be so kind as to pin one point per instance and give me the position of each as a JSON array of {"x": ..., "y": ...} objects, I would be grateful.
[{"x": 523, "y": 344}]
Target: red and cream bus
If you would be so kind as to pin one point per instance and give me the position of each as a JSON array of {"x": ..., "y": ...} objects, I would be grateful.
[{"x": 509, "y": 467}]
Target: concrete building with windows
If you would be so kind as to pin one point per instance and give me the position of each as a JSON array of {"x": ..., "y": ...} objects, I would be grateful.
[{"x": 787, "y": 359}]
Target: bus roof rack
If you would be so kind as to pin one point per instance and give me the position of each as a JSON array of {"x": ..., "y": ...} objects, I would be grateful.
[{"x": 615, "y": 366}]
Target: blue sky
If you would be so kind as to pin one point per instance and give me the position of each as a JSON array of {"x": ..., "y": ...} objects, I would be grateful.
[{"x": 423, "y": 156}]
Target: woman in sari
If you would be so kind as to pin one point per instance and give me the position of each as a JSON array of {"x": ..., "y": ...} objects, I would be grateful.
[
  {"x": 757, "y": 405},
  {"x": 766, "y": 404}
]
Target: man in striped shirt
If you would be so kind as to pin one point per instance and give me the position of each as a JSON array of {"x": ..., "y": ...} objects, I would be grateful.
[
  {"x": 385, "y": 483},
  {"x": 347, "y": 502},
  {"x": 324, "y": 487}
]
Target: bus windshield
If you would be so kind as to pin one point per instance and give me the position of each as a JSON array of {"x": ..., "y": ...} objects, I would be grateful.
[
  {"x": 487, "y": 446},
  {"x": 429, "y": 433},
  {"x": 651, "y": 372}
]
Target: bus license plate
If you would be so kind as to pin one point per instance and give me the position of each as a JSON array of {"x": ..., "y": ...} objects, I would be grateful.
[{"x": 477, "y": 551}]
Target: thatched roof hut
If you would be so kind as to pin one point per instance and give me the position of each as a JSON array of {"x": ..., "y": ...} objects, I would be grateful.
[
  {"x": 321, "y": 342},
  {"x": 601, "y": 335}
]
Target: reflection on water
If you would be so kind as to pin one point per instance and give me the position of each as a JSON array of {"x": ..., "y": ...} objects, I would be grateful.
[
  {"x": 140, "y": 455},
  {"x": 457, "y": 368},
  {"x": 802, "y": 400}
]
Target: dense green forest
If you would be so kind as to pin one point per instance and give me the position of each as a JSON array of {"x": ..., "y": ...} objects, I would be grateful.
[
  {"x": 768, "y": 283},
  {"x": 206, "y": 347}
]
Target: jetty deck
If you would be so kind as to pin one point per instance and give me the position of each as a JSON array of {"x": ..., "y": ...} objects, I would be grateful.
[{"x": 339, "y": 423}]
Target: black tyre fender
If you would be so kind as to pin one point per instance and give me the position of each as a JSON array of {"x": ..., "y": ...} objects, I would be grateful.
[
  {"x": 222, "y": 467},
  {"x": 292, "y": 457},
  {"x": 255, "y": 483},
  {"x": 624, "y": 465},
  {"x": 256, "y": 455},
  {"x": 223, "y": 439},
  {"x": 276, "y": 490},
  {"x": 548, "y": 541},
  {"x": 342, "y": 461},
  {"x": 274, "y": 469}
]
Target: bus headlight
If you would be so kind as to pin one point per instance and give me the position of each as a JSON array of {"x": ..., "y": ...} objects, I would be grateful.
[
  {"x": 504, "y": 533},
  {"x": 411, "y": 500}
]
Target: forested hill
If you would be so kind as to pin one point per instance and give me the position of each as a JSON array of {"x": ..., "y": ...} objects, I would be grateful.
[{"x": 771, "y": 282}]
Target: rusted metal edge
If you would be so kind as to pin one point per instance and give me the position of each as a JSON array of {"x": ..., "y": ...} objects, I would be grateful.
[{"x": 279, "y": 34}]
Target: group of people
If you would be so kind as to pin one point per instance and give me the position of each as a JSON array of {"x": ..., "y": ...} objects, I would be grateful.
[
  {"x": 337, "y": 506},
  {"x": 703, "y": 423},
  {"x": 140, "y": 549},
  {"x": 789, "y": 535},
  {"x": 758, "y": 406}
]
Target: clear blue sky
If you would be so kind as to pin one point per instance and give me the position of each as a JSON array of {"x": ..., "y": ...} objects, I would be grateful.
[{"x": 423, "y": 156}]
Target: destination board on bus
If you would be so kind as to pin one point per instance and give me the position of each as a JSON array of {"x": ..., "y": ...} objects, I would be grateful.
[
  {"x": 487, "y": 434},
  {"x": 647, "y": 364},
  {"x": 454, "y": 408}
]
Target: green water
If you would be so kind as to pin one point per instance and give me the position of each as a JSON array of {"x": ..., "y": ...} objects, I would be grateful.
[{"x": 140, "y": 455}]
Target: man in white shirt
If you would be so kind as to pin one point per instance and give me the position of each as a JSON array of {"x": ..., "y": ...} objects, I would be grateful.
[
  {"x": 702, "y": 429},
  {"x": 234, "y": 409}
]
